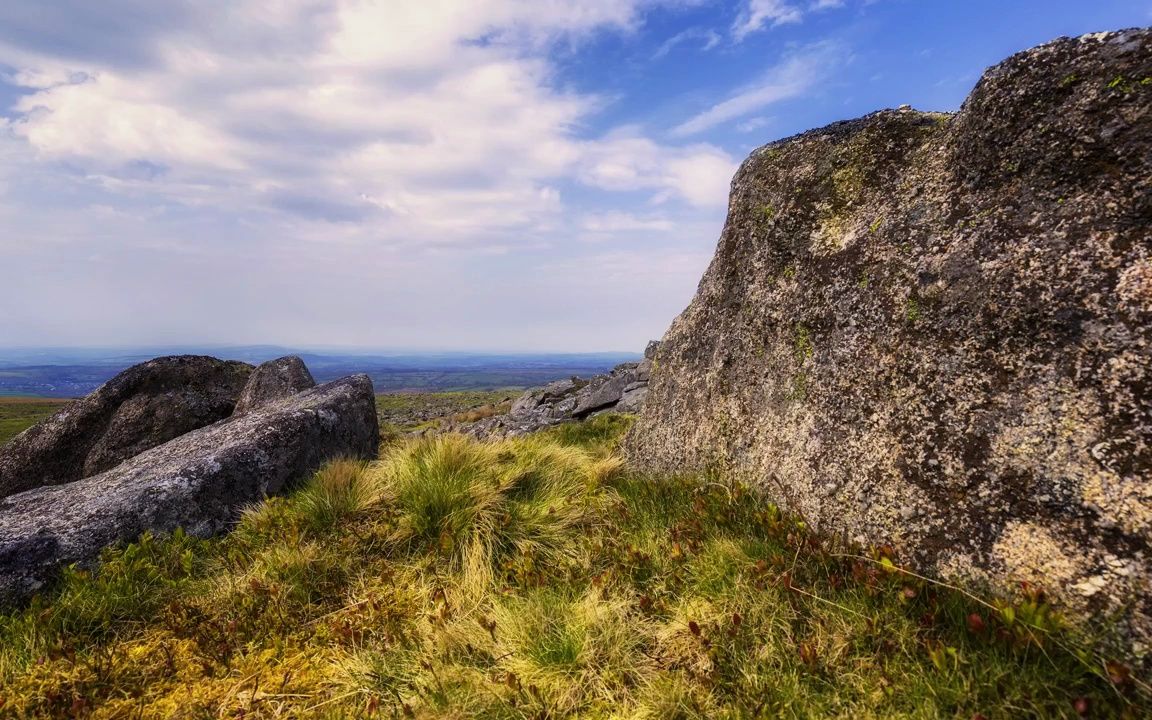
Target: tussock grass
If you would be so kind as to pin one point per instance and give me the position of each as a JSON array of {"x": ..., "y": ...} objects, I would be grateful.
[{"x": 532, "y": 578}]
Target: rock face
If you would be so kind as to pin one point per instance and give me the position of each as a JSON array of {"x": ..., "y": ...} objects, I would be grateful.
[
  {"x": 621, "y": 390},
  {"x": 197, "y": 482},
  {"x": 935, "y": 331},
  {"x": 273, "y": 381},
  {"x": 142, "y": 407}
]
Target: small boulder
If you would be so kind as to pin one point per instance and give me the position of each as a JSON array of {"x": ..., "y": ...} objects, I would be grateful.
[
  {"x": 272, "y": 381},
  {"x": 605, "y": 391},
  {"x": 632, "y": 401},
  {"x": 623, "y": 389},
  {"x": 144, "y": 406},
  {"x": 198, "y": 482}
]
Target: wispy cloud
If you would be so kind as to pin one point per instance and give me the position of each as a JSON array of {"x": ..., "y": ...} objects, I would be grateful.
[
  {"x": 706, "y": 37},
  {"x": 759, "y": 14},
  {"x": 752, "y": 124},
  {"x": 796, "y": 74}
]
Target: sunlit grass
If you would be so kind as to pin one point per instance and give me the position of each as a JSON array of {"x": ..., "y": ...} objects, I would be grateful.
[
  {"x": 532, "y": 578},
  {"x": 17, "y": 414}
]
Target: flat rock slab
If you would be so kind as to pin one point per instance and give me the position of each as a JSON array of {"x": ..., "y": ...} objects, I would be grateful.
[
  {"x": 144, "y": 406},
  {"x": 198, "y": 482}
]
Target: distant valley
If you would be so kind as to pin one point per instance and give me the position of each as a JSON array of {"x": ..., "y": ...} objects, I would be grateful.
[{"x": 65, "y": 373}]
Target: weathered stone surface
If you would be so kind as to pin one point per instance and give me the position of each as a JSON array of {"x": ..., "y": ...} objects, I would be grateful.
[
  {"x": 607, "y": 393},
  {"x": 632, "y": 401},
  {"x": 273, "y": 381},
  {"x": 935, "y": 331},
  {"x": 197, "y": 482},
  {"x": 621, "y": 390},
  {"x": 144, "y": 406}
]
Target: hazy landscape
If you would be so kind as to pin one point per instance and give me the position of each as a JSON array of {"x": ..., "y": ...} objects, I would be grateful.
[
  {"x": 64, "y": 373},
  {"x": 578, "y": 359}
]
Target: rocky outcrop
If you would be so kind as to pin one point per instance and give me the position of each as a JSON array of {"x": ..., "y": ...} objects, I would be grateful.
[
  {"x": 198, "y": 482},
  {"x": 274, "y": 381},
  {"x": 935, "y": 331},
  {"x": 142, "y": 407},
  {"x": 621, "y": 390}
]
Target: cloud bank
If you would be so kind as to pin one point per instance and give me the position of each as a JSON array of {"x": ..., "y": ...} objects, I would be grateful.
[{"x": 292, "y": 170}]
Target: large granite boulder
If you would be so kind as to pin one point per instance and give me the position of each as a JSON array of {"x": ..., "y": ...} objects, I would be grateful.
[
  {"x": 935, "y": 331},
  {"x": 144, "y": 406},
  {"x": 198, "y": 482},
  {"x": 274, "y": 381}
]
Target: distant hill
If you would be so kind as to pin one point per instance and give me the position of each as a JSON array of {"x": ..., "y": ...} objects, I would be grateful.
[{"x": 56, "y": 372}]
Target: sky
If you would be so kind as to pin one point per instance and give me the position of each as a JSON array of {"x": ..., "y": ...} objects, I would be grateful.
[{"x": 512, "y": 175}]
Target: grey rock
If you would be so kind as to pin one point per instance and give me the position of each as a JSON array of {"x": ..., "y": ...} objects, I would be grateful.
[
  {"x": 274, "y": 381},
  {"x": 644, "y": 371},
  {"x": 568, "y": 401},
  {"x": 144, "y": 406},
  {"x": 951, "y": 313},
  {"x": 605, "y": 392},
  {"x": 198, "y": 482},
  {"x": 526, "y": 403},
  {"x": 632, "y": 401}
]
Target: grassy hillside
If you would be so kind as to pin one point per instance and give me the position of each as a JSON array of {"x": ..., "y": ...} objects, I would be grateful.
[
  {"x": 20, "y": 413},
  {"x": 532, "y": 578}
]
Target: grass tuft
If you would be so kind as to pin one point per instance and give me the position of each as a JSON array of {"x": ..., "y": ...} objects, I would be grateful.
[{"x": 534, "y": 578}]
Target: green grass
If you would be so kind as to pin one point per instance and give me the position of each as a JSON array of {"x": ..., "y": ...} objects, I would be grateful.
[
  {"x": 532, "y": 578},
  {"x": 17, "y": 414},
  {"x": 413, "y": 411}
]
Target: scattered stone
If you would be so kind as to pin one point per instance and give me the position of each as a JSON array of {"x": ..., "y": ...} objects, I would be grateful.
[
  {"x": 632, "y": 401},
  {"x": 274, "y": 381},
  {"x": 198, "y": 482},
  {"x": 621, "y": 390},
  {"x": 144, "y": 406},
  {"x": 950, "y": 313}
]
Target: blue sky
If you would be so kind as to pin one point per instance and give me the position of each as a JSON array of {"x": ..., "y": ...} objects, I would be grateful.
[{"x": 439, "y": 174}]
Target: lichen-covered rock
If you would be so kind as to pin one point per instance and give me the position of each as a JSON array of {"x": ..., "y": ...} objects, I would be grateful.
[
  {"x": 144, "y": 406},
  {"x": 935, "y": 331},
  {"x": 274, "y": 381},
  {"x": 198, "y": 482},
  {"x": 623, "y": 389},
  {"x": 607, "y": 393}
]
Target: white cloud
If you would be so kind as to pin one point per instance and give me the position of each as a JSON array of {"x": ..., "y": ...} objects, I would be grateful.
[
  {"x": 402, "y": 106},
  {"x": 752, "y": 124},
  {"x": 707, "y": 38},
  {"x": 362, "y": 151},
  {"x": 790, "y": 78},
  {"x": 617, "y": 222},
  {"x": 759, "y": 14},
  {"x": 627, "y": 161}
]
